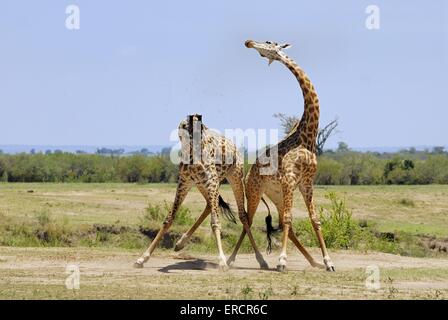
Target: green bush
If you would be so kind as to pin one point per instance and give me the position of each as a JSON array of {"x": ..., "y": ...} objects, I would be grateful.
[
  {"x": 339, "y": 228},
  {"x": 407, "y": 202},
  {"x": 156, "y": 214},
  {"x": 341, "y": 231}
]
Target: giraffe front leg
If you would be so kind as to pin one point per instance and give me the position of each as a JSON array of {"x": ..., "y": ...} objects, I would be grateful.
[
  {"x": 181, "y": 192},
  {"x": 209, "y": 189},
  {"x": 216, "y": 228}
]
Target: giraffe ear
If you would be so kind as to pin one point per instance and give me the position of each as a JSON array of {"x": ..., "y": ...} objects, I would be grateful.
[{"x": 285, "y": 46}]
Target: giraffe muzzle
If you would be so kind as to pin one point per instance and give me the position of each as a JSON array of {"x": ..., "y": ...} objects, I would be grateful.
[{"x": 249, "y": 44}]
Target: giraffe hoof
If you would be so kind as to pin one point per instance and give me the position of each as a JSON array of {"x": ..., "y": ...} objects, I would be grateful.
[
  {"x": 281, "y": 268},
  {"x": 181, "y": 243},
  {"x": 329, "y": 264},
  {"x": 178, "y": 247},
  {"x": 138, "y": 265},
  {"x": 223, "y": 267},
  {"x": 264, "y": 265},
  {"x": 230, "y": 261}
]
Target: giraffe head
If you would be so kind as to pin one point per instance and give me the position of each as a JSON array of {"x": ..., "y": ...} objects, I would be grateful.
[
  {"x": 186, "y": 127},
  {"x": 191, "y": 121},
  {"x": 270, "y": 50}
]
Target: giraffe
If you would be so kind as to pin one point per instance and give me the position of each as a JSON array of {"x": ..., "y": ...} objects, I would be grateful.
[
  {"x": 297, "y": 164},
  {"x": 207, "y": 159}
]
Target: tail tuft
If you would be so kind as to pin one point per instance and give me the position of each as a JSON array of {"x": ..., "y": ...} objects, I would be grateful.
[
  {"x": 269, "y": 228},
  {"x": 226, "y": 210}
]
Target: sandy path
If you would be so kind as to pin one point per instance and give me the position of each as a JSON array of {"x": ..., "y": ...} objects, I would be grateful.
[
  {"x": 179, "y": 263},
  {"x": 40, "y": 273}
]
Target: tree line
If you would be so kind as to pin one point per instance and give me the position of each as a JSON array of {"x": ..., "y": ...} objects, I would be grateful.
[
  {"x": 356, "y": 168},
  {"x": 335, "y": 167},
  {"x": 70, "y": 167}
]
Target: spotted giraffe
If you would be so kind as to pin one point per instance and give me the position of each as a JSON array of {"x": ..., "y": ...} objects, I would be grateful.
[
  {"x": 207, "y": 159},
  {"x": 297, "y": 165}
]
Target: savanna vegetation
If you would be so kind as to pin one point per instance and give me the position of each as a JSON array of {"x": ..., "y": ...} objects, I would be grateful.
[
  {"x": 128, "y": 215},
  {"x": 70, "y": 167},
  {"x": 346, "y": 167},
  {"x": 335, "y": 167},
  {"x": 103, "y": 227},
  {"x": 370, "y": 204}
]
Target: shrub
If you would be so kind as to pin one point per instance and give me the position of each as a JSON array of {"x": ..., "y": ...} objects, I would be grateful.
[
  {"x": 50, "y": 232},
  {"x": 407, "y": 202},
  {"x": 157, "y": 214},
  {"x": 341, "y": 231},
  {"x": 339, "y": 228}
]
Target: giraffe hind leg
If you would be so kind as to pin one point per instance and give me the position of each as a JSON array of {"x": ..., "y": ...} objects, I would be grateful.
[
  {"x": 180, "y": 244},
  {"x": 253, "y": 199},
  {"x": 238, "y": 190},
  {"x": 305, "y": 253},
  {"x": 225, "y": 209},
  {"x": 278, "y": 202},
  {"x": 307, "y": 193}
]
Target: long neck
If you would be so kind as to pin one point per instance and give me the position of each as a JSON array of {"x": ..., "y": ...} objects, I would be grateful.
[{"x": 307, "y": 129}]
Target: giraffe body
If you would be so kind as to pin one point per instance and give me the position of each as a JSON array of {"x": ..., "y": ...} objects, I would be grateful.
[
  {"x": 297, "y": 165},
  {"x": 205, "y": 164}
]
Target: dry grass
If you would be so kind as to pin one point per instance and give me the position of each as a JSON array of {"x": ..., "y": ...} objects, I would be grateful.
[{"x": 109, "y": 203}]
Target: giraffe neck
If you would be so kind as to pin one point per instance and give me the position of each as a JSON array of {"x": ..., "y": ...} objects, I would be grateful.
[{"x": 307, "y": 128}]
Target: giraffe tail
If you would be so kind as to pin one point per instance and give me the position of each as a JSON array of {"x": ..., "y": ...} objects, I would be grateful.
[
  {"x": 226, "y": 210},
  {"x": 269, "y": 227}
]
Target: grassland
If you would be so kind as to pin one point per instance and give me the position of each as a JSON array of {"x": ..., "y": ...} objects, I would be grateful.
[
  {"x": 37, "y": 269},
  {"x": 419, "y": 209}
]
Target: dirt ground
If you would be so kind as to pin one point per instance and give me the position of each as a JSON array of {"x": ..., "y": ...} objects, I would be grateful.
[{"x": 40, "y": 273}]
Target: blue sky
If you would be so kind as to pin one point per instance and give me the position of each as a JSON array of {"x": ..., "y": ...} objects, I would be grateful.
[{"x": 136, "y": 68}]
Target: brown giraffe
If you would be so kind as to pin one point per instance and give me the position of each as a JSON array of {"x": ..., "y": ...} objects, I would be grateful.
[
  {"x": 297, "y": 165},
  {"x": 207, "y": 159}
]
